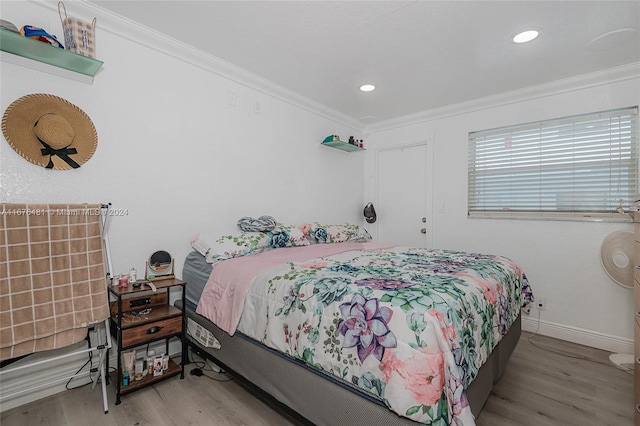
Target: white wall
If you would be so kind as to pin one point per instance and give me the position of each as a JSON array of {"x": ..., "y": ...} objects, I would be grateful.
[
  {"x": 561, "y": 259},
  {"x": 173, "y": 152}
]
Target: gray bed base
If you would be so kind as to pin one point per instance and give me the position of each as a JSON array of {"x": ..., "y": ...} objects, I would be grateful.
[{"x": 309, "y": 398}]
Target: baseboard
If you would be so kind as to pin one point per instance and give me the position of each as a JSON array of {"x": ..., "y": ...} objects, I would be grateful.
[{"x": 581, "y": 336}]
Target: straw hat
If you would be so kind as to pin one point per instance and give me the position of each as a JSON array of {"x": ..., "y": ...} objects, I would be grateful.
[{"x": 49, "y": 131}]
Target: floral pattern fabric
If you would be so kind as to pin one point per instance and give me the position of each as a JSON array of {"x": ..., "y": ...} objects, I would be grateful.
[
  {"x": 409, "y": 326},
  {"x": 327, "y": 234},
  {"x": 241, "y": 243}
]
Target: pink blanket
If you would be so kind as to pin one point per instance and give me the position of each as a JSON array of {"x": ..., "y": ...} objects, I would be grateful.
[{"x": 223, "y": 296}]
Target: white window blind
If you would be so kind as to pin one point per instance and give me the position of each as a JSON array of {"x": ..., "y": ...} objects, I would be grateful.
[{"x": 574, "y": 167}]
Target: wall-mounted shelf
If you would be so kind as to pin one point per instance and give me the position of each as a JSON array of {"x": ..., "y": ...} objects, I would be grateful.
[
  {"x": 24, "y": 50},
  {"x": 344, "y": 146}
]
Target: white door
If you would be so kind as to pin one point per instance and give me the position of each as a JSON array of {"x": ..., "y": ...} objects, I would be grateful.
[{"x": 403, "y": 196}]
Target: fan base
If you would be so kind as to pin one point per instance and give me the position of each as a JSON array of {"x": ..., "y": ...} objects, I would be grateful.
[{"x": 622, "y": 361}]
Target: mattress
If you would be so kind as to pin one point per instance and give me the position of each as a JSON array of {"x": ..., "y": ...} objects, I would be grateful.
[
  {"x": 196, "y": 272},
  {"x": 302, "y": 393},
  {"x": 409, "y": 328}
]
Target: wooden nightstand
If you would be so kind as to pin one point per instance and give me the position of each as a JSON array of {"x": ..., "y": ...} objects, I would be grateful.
[{"x": 132, "y": 329}]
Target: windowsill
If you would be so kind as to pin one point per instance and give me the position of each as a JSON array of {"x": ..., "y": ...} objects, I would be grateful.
[{"x": 623, "y": 218}]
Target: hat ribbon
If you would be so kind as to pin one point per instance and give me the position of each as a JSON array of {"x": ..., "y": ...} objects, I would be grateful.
[{"x": 63, "y": 153}]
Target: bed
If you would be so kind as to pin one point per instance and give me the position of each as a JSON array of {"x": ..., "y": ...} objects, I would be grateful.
[{"x": 354, "y": 332}]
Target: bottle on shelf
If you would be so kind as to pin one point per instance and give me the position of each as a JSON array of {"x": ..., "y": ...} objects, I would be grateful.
[{"x": 151, "y": 353}]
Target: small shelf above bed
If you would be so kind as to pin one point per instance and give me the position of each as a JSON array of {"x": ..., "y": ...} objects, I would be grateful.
[
  {"x": 35, "y": 54},
  {"x": 344, "y": 146}
]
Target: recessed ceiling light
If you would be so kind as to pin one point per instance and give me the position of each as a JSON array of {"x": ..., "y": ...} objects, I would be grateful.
[
  {"x": 525, "y": 36},
  {"x": 367, "y": 87}
]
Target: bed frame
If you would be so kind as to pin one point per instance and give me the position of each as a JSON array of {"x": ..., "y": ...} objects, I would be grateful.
[{"x": 310, "y": 397}]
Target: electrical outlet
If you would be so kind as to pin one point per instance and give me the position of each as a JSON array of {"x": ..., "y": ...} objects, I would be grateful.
[{"x": 541, "y": 303}]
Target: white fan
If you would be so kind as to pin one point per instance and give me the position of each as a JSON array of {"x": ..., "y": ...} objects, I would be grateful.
[{"x": 617, "y": 254}]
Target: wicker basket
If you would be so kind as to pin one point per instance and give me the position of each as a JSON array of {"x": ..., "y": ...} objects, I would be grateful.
[{"x": 79, "y": 36}]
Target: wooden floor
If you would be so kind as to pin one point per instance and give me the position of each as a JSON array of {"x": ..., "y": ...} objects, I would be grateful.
[{"x": 539, "y": 387}]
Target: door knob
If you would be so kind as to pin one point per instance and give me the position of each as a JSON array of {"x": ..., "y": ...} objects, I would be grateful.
[
  {"x": 424, "y": 220},
  {"x": 423, "y": 230}
]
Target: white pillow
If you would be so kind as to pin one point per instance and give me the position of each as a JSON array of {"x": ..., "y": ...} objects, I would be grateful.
[{"x": 237, "y": 243}]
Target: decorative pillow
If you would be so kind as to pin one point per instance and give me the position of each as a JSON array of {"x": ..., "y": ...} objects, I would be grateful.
[
  {"x": 239, "y": 243},
  {"x": 286, "y": 236},
  {"x": 262, "y": 224},
  {"x": 337, "y": 233},
  {"x": 305, "y": 228}
]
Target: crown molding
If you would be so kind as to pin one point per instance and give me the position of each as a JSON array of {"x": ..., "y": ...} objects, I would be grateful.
[
  {"x": 580, "y": 82},
  {"x": 152, "y": 39},
  {"x": 137, "y": 33}
]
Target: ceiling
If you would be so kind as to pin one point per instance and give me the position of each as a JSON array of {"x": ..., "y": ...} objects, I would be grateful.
[{"x": 420, "y": 55}]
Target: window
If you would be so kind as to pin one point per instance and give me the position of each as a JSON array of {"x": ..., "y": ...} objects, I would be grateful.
[{"x": 581, "y": 167}]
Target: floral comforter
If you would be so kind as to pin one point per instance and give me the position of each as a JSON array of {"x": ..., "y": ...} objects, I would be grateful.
[{"x": 409, "y": 326}]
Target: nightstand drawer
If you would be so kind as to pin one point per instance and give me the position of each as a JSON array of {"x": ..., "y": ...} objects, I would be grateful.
[{"x": 143, "y": 333}]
